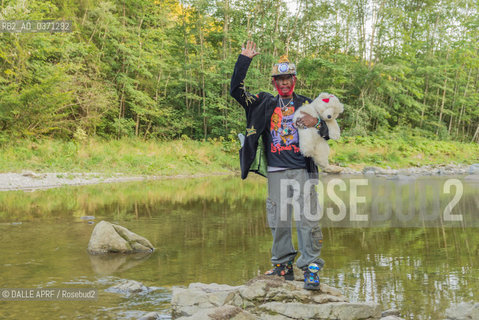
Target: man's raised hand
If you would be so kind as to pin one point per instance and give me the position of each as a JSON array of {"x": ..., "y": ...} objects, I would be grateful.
[{"x": 249, "y": 50}]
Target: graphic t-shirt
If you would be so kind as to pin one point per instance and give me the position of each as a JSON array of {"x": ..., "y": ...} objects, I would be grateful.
[{"x": 282, "y": 144}]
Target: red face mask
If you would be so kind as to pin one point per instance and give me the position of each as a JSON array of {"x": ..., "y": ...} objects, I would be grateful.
[{"x": 281, "y": 93}]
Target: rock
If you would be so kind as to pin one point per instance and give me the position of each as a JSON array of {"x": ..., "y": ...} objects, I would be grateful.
[
  {"x": 331, "y": 291},
  {"x": 111, "y": 238},
  {"x": 198, "y": 296},
  {"x": 221, "y": 313},
  {"x": 230, "y": 312},
  {"x": 367, "y": 171},
  {"x": 254, "y": 291},
  {"x": 325, "y": 298},
  {"x": 267, "y": 297},
  {"x": 391, "y": 318},
  {"x": 128, "y": 287},
  {"x": 266, "y": 316},
  {"x": 352, "y": 311},
  {"x": 150, "y": 316},
  {"x": 33, "y": 175},
  {"x": 297, "y": 310},
  {"x": 340, "y": 310},
  {"x": 390, "y": 312},
  {"x": 473, "y": 169},
  {"x": 463, "y": 311}
]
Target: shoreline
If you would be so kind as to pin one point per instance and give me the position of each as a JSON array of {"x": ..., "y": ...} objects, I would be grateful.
[{"x": 31, "y": 181}]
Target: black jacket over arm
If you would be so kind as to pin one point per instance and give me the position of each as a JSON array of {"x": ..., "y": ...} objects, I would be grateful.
[{"x": 259, "y": 109}]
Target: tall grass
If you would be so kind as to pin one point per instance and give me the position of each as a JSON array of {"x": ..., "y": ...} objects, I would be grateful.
[
  {"x": 130, "y": 156},
  {"x": 185, "y": 156}
]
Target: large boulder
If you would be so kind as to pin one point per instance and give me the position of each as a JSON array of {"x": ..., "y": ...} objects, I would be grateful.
[{"x": 112, "y": 238}]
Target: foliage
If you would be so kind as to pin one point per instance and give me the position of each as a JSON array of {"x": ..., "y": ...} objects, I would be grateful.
[{"x": 161, "y": 69}]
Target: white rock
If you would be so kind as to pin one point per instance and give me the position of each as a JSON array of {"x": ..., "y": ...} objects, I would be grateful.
[
  {"x": 352, "y": 311},
  {"x": 390, "y": 312},
  {"x": 219, "y": 313},
  {"x": 128, "y": 287},
  {"x": 199, "y": 296},
  {"x": 299, "y": 310},
  {"x": 255, "y": 291},
  {"x": 325, "y": 298},
  {"x": 111, "y": 238},
  {"x": 150, "y": 316}
]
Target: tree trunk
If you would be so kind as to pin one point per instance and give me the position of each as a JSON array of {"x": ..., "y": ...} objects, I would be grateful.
[
  {"x": 453, "y": 102},
  {"x": 424, "y": 102},
  {"x": 185, "y": 34},
  {"x": 476, "y": 135},
  {"x": 443, "y": 96},
  {"x": 276, "y": 28},
  {"x": 225, "y": 57},
  {"x": 461, "y": 113},
  {"x": 203, "y": 87},
  {"x": 293, "y": 30},
  {"x": 373, "y": 31}
]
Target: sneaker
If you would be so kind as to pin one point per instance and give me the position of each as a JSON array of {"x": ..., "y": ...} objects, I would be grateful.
[
  {"x": 311, "y": 277},
  {"x": 282, "y": 270}
]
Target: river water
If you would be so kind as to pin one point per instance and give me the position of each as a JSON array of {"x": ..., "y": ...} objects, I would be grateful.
[{"x": 411, "y": 253}]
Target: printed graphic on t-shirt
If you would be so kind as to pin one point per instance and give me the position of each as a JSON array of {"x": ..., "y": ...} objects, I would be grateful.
[{"x": 284, "y": 135}]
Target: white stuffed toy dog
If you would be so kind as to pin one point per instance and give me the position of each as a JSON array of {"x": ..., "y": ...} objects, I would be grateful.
[{"x": 327, "y": 107}]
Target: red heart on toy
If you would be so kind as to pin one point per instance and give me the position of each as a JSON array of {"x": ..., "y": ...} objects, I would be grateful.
[{"x": 326, "y": 100}]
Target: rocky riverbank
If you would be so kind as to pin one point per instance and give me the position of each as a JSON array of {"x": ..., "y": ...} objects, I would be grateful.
[
  {"x": 268, "y": 298},
  {"x": 29, "y": 180}
]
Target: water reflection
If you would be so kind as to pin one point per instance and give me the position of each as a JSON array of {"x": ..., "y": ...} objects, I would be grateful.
[
  {"x": 107, "y": 264},
  {"x": 214, "y": 230}
]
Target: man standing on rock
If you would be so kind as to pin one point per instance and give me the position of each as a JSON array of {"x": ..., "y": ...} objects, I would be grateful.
[{"x": 270, "y": 126}]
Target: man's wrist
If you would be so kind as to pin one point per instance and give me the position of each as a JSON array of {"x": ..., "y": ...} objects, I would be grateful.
[{"x": 318, "y": 124}]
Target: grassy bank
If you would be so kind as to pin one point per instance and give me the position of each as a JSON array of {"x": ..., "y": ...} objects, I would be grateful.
[
  {"x": 399, "y": 150},
  {"x": 128, "y": 156},
  {"x": 134, "y": 156}
]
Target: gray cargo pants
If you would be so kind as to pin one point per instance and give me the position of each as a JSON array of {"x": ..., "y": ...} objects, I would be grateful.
[{"x": 289, "y": 189}]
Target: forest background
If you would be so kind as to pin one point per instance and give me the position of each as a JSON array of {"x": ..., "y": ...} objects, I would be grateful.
[{"x": 159, "y": 70}]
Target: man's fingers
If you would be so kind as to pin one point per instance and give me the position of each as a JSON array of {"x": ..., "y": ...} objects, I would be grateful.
[{"x": 249, "y": 48}]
